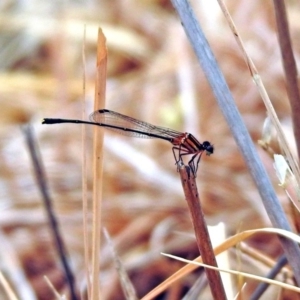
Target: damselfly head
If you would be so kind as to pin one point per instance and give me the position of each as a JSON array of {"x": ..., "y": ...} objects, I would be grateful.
[{"x": 208, "y": 147}]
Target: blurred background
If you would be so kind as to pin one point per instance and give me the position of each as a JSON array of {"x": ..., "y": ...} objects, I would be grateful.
[{"x": 153, "y": 75}]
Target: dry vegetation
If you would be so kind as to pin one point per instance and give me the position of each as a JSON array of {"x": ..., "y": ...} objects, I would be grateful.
[{"x": 153, "y": 75}]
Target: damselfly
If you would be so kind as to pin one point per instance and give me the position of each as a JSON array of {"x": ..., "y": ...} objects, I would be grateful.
[{"x": 183, "y": 143}]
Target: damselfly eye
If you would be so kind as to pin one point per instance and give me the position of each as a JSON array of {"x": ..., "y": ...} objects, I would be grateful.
[{"x": 208, "y": 147}]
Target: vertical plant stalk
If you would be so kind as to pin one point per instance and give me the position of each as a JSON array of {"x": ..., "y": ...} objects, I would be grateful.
[
  {"x": 201, "y": 232},
  {"x": 85, "y": 207},
  {"x": 100, "y": 89},
  {"x": 289, "y": 65},
  {"x": 238, "y": 129}
]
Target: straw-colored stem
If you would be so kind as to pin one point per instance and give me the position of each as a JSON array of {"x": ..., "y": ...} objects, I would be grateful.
[{"x": 98, "y": 163}]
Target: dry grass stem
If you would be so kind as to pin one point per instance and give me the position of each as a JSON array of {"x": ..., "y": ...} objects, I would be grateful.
[
  {"x": 261, "y": 88},
  {"x": 85, "y": 206},
  {"x": 127, "y": 286},
  {"x": 100, "y": 92},
  {"x": 201, "y": 232}
]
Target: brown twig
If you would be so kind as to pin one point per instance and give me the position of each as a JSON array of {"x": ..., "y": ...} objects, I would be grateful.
[
  {"x": 289, "y": 65},
  {"x": 201, "y": 232}
]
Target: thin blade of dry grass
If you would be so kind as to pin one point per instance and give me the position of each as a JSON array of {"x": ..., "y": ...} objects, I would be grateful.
[
  {"x": 238, "y": 273},
  {"x": 8, "y": 289},
  {"x": 127, "y": 286},
  {"x": 227, "y": 244},
  {"x": 270, "y": 109},
  {"x": 53, "y": 289}
]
